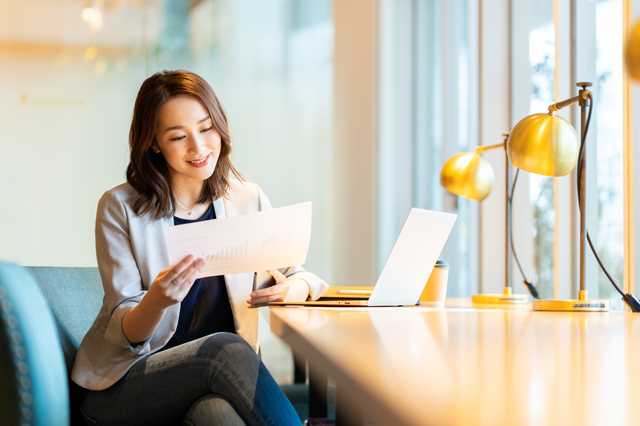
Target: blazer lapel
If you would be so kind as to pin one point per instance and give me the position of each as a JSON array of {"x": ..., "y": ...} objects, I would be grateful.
[
  {"x": 219, "y": 208},
  {"x": 173, "y": 312}
]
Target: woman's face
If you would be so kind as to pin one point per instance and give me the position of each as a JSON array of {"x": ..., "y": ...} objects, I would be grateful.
[{"x": 187, "y": 140}]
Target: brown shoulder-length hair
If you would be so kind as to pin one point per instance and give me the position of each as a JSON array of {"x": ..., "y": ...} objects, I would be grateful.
[{"x": 147, "y": 171}]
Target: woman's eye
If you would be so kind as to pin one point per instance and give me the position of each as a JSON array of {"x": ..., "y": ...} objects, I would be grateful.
[
  {"x": 178, "y": 138},
  {"x": 206, "y": 130}
]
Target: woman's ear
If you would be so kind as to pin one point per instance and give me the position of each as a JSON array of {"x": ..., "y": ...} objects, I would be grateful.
[{"x": 155, "y": 148}]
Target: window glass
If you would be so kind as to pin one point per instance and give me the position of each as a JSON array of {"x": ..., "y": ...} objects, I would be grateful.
[
  {"x": 608, "y": 113},
  {"x": 427, "y": 113},
  {"x": 443, "y": 70},
  {"x": 462, "y": 282},
  {"x": 542, "y": 52}
]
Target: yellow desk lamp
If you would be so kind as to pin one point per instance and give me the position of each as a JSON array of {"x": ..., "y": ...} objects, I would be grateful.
[
  {"x": 632, "y": 53},
  {"x": 471, "y": 176},
  {"x": 548, "y": 145},
  {"x": 632, "y": 62}
]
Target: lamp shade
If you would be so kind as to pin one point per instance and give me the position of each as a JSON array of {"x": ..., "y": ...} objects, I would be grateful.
[
  {"x": 544, "y": 144},
  {"x": 467, "y": 175},
  {"x": 632, "y": 54}
]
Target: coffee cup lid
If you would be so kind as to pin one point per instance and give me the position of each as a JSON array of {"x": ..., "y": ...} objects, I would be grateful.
[{"x": 442, "y": 264}]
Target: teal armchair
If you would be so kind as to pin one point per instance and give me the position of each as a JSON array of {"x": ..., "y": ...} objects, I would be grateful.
[{"x": 45, "y": 313}]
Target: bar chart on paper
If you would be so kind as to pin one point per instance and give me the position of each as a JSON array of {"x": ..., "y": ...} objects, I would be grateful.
[{"x": 253, "y": 242}]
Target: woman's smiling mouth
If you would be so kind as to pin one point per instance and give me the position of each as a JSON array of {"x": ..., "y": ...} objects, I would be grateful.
[{"x": 200, "y": 162}]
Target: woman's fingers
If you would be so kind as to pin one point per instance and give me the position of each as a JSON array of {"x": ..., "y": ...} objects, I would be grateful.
[
  {"x": 185, "y": 270},
  {"x": 174, "y": 271},
  {"x": 172, "y": 284},
  {"x": 264, "y": 296},
  {"x": 276, "y": 288},
  {"x": 189, "y": 274},
  {"x": 277, "y": 292},
  {"x": 285, "y": 290},
  {"x": 277, "y": 275},
  {"x": 198, "y": 266}
]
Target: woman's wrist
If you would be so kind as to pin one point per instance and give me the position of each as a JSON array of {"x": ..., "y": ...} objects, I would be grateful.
[
  {"x": 155, "y": 301},
  {"x": 140, "y": 322},
  {"x": 299, "y": 289},
  {"x": 152, "y": 305}
]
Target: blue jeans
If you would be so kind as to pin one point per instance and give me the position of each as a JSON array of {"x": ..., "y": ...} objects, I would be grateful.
[{"x": 217, "y": 379}]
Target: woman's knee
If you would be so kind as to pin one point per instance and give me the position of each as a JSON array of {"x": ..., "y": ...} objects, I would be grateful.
[
  {"x": 226, "y": 338},
  {"x": 212, "y": 409},
  {"x": 227, "y": 363},
  {"x": 227, "y": 345}
]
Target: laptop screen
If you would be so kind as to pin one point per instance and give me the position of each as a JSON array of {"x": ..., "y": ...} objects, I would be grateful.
[{"x": 413, "y": 257}]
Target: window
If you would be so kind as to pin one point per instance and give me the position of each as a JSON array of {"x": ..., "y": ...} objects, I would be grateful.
[
  {"x": 542, "y": 52},
  {"x": 427, "y": 110},
  {"x": 599, "y": 41},
  {"x": 608, "y": 111}
]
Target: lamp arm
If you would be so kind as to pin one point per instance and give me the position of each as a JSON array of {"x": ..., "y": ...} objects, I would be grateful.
[
  {"x": 481, "y": 149},
  {"x": 559, "y": 105},
  {"x": 583, "y": 97}
]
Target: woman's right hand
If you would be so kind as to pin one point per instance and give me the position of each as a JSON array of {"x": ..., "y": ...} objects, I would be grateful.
[
  {"x": 170, "y": 287},
  {"x": 172, "y": 284}
]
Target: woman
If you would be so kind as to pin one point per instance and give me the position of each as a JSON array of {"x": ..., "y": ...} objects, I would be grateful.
[{"x": 166, "y": 347}]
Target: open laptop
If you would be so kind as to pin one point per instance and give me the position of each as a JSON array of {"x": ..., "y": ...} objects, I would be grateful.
[{"x": 407, "y": 269}]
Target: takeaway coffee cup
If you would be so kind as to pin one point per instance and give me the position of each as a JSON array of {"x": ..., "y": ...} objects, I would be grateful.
[{"x": 435, "y": 291}]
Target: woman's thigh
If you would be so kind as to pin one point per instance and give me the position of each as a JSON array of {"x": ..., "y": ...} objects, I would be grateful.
[{"x": 161, "y": 388}]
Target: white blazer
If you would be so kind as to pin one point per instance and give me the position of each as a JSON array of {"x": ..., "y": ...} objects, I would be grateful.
[{"x": 131, "y": 251}]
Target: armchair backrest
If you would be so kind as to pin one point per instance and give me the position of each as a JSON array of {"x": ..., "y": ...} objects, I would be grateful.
[
  {"x": 33, "y": 379},
  {"x": 75, "y": 296}
]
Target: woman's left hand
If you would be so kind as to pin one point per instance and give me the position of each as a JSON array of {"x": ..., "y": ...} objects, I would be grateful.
[{"x": 284, "y": 290}]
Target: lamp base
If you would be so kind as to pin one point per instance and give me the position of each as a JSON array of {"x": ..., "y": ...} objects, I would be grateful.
[
  {"x": 507, "y": 298},
  {"x": 579, "y": 305},
  {"x": 571, "y": 305}
]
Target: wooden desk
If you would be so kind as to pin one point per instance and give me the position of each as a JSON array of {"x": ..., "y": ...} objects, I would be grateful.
[{"x": 418, "y": 366}]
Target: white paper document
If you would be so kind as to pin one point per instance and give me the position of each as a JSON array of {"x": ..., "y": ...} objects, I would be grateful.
[{"x": 252, "y": 242}]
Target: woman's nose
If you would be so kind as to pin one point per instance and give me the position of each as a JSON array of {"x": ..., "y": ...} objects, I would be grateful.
[{"x": 197, "y": 142}]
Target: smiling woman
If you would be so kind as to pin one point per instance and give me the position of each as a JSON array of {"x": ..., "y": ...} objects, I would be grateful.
[
  {"x": 160, "y": 328},
  {"x": 191, "y": 149},
  {"x": 173, "y": 116}
]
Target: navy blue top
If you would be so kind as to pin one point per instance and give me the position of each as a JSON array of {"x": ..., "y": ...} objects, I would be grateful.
[{"x": 206, "y": 308}]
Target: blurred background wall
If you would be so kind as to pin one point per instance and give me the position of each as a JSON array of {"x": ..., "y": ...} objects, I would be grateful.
[{"x": 69, "y": 74}]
